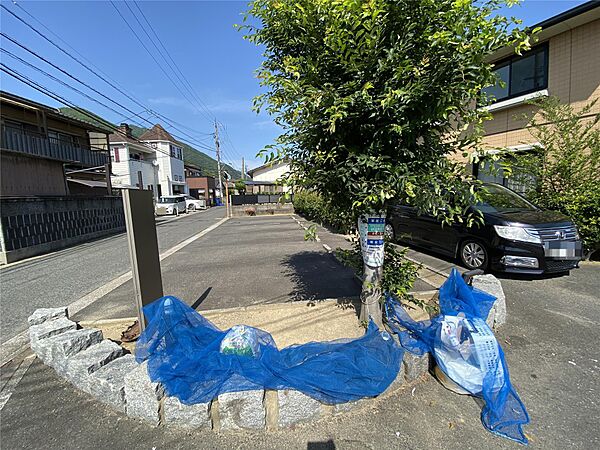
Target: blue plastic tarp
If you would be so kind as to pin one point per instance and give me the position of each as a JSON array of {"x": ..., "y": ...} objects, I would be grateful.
[
  {"x": 183, "y": 353},
  {"x": 503, "y": 413}
]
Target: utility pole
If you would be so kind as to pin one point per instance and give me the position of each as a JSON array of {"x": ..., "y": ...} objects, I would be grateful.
[
  {"x": 218, "y": 160},
  {"x": 243, "y": 170}
]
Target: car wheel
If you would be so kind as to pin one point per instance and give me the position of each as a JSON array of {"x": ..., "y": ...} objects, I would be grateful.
[
  {"x": 474, "y": 255},
  {"x": 389, "y": 232}
]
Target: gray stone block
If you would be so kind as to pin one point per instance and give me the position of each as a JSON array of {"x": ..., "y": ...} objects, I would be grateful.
[
  {"x": 50, "y": 328},
  {"x": 491, "y": 285},
  {"x": 398, "y": 382},
  {"x": 41, "y": 315},
  {"x": 55, "y": 350},
  {"x": 238, "y": 410},
  {"x": 296, "y": 407},
  {"x": 186, "y": 416},
  {"x": 143, "y": 396},
  {"x": 79, "y": 367},
  {"x": 415, "y": 366},
  {"x": 107, "y": 384}
]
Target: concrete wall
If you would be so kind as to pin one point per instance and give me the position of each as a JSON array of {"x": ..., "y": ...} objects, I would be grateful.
[
  {"x": 25, "y": 175},
  {"x": 573, "y": 76},
  {"x": 36, "y": 225},
  {"x": 262, "y": 210}
]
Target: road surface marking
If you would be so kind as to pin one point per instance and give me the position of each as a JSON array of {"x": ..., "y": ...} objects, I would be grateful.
[
  {"x": 15, "y": 380},
  {"x": 19, "y": 342}
]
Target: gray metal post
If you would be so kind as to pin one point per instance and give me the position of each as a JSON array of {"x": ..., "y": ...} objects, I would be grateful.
[{"x": 143, "y": 248}]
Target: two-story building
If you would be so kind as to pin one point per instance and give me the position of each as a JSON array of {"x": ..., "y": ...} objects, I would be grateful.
[
  {"x": 565, "y": 62},
  {"x": 265, "y": 178},
  {"x": 54, "y": 181},
  {"x": 134, "y": 164},
  {"x": 45, "y": 152},
  {"x": 169, "y": 159}
]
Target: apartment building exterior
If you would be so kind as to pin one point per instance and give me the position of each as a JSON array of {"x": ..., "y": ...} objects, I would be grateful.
[
  {"x": 134, "y": 164},
  {"x": 565, "y": 62},
  {"x": 54, "y": 181},
  {"x": 169, "y": 160},
  {"x": 45, "y": 152}
]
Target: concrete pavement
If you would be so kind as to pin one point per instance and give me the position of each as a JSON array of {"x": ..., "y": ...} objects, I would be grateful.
[
  {"x": 65, "y": 276},
  {"x": 247, "y": 261}
]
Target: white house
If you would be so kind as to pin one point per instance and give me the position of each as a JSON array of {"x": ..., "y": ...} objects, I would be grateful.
[
  {"x": 132, "y": 162},
  {"x": 169, "y": 157},
  {"x": 266, "y": 178}
]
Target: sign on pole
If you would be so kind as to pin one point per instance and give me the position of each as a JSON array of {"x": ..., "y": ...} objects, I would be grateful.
[{"x": 143, "y": 248}]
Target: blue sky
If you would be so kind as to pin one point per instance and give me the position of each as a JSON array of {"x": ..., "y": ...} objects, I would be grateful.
[{"x": 199, "y": 36}]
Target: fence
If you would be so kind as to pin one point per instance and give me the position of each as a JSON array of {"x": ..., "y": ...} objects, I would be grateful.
[
  {"x": 32, "y": 226},
  {"x": 260, "y": 199}
]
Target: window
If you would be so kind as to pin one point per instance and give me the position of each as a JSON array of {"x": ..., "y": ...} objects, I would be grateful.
[
  {"x": 116, "y": 155},
  {"x": 175, "y": 151},
  {"x": 521, "y": 75}
]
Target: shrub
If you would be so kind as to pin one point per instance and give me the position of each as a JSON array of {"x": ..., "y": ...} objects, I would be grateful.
[
  {"x": 562, "y": 172},
  {"x": 314, "y": 207}
]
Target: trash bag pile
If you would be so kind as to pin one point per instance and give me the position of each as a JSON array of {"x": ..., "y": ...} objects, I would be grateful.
[
  {"x": 195, "y": 361},
  {"x": 467, "y": 351}
]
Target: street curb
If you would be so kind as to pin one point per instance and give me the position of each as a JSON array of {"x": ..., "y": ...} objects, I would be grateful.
[{"x": 103, "y": 370}]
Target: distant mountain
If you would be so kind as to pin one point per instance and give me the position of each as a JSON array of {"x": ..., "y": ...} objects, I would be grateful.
[{"x": 206, "y": 164}]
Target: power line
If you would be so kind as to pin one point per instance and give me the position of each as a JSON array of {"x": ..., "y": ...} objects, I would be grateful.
[
  {"x": 192, "y": 90},
  {"x": 93, "y": 72},
  {"x": 152, "y": 56},
  {"x": 44, "y": 90},
  {"x": 14, "y": 41}
]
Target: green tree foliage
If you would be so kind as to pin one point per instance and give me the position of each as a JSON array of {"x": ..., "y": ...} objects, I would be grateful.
[
  {"x": 373, "y": 95},
  {"x": 562, "y": 172},
  {"x": 315, "y": 207},
  {"x": 240, "y": 186}
]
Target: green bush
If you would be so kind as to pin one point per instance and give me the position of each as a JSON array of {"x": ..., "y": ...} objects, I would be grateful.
[
  {"x": 562, "y": 172},
  {"x": 314, "y": 207}
]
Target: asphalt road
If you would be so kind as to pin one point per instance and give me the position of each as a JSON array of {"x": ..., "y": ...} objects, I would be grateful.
[
  {"x": 246, "y": 261},
  {"x": 63, "y": 277},
  {"x": 551, "y": 345}
]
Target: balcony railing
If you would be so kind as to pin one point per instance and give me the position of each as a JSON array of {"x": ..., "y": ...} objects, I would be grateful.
[{"x": 51, "y": 148}]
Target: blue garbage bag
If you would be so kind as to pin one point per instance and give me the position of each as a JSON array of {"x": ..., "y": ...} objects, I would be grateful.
[
  {"x": 466, "y": 350},
  {"x": 185, "y": 353}
]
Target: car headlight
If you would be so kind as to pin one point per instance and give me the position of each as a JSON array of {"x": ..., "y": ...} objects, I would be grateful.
[{"x": 516, "y": 234}]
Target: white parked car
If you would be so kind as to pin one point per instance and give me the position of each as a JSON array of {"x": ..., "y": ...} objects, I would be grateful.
[
  {"x": 171, "y": 204},
  {"x": 194, "y": 204}
]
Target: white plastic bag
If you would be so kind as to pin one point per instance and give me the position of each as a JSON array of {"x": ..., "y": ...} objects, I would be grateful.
[
  {"x": 467, "y": 351},
  {"x": 240, "y": 340}
]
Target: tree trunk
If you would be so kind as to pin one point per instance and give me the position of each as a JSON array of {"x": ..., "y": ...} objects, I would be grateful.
[{"x": 371, "y": 295}]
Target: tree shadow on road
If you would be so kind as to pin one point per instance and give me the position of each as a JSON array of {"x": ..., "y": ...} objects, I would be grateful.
[{"x": 319, "y": 276}]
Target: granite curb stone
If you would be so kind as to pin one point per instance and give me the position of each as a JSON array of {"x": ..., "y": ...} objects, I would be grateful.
[
  {"x": 55, "y": 350},
  {"x": 79, "y": 367},
  {"x": 143, "y": 396},
  {"x": 50, "y": 328},
  {"x": 296, "y": 407},
  {"x": 186, "y": 416},
  {"x": 108, "y": 383},
  {"x": 239, "y": 410},
  {"x": 41, "y": 315}
]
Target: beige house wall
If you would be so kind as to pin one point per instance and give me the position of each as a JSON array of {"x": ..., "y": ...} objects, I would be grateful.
[{"x": 573, "y": 76}]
